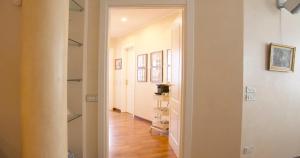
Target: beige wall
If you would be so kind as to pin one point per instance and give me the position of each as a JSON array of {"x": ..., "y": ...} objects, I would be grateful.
[
  {"x": 90, "y": 79},
  {"x": 272, "y": 123},
  {"x": 217, "y": 112},
  {"x": 10, "y": 145},
  {"x": 154, "y": 37}
]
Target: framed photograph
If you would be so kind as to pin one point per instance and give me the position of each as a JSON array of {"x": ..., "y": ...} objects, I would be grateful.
[
  {"x": 169, "y": 65},
  {"x": 142, "y": 61},
  {"x": 282, "y": 58},
  {"x": 156, "y": 72},
  {"x": 118, "y": 64}
]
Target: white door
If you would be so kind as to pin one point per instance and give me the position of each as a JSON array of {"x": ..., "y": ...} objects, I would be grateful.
[
  {"x": 175, "y": 90},
  {"x": 130, "y": 81}
]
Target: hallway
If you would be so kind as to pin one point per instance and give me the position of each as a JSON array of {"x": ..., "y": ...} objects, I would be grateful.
[{"x": 130, "y": 138}]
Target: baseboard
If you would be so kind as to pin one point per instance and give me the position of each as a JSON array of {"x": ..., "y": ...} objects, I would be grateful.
[
  {"x": 142, "y": 119},
  {"x": 116, "y": 109}
]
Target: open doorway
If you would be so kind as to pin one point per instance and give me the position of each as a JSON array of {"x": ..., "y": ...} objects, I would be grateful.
[{"x": 145, "y": 82}]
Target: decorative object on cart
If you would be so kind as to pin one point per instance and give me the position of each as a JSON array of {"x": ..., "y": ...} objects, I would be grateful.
[
  {"x": 169, "y": 65},
  {"x": 156, "y": 72},
  {"x": 282, "y": 58},
  {"x": 162, "y": 89},
  {"x": 118, "y": 64},
  {"x": 142, "y": 62}
]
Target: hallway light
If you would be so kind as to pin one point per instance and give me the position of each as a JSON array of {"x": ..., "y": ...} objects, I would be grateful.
[{"x": 124, "y": 19}]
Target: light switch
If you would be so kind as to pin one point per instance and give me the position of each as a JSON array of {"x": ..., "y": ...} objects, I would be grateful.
[
  {"x": 250, "y": 90},
  {"x": 92, "y": 98},
  {"x": 248, "y": 150},
  {"x": 250, "y": 97},
  {"x": 250, "y": 94}
]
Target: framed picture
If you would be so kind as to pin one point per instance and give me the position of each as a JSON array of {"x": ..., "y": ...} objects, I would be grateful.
[
  {"x": 118, "y": 64},
  {"x": 156, "y": 72},
  {"x": 142, "y": 61},
  {"x": 169, "y": 65},
  {"x": 282, "y": 58}
]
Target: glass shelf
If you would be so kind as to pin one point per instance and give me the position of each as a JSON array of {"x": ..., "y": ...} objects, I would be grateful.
[
  {"x": 75, "y": 6},
  {"x": 74, "y": 43},
  {"x": 73, "y": 117},
  {"x": 74, "y": 80}
]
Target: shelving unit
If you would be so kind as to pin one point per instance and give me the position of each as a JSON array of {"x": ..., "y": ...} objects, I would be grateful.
[
  {"x": 75, "y": 6},
  {"x": 75, "y": 85},
  {"x": 160, "y": 121}
]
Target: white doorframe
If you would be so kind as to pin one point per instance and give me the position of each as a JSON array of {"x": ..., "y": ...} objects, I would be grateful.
[{"x": 188, "y": 68}]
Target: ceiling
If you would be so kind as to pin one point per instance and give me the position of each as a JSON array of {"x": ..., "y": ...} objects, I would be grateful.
[{"x": 134, "y": 19}]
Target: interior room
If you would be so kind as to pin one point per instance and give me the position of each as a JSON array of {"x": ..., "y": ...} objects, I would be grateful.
[{"x": 144, "y": 65}]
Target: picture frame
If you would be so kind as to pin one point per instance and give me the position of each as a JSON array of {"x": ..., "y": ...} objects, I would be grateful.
[
  {"x": 156, "y": 71},
  {"x": 169, "y": 65},
  {"x": 118, "y": 64},
  {"x": 142, "y": 64},
  {"x": 282, "y": 58}
]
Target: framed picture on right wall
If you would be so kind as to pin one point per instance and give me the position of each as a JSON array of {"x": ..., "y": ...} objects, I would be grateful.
[
  {"x": 156, "y": 71},
  {"x": 282, "y": 58}
]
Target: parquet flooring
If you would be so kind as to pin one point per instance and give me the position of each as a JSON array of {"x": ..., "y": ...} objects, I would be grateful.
[{"x": 130, "y": 138}]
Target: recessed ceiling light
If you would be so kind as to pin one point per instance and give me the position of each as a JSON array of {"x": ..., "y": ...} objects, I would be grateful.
[{"x": 124, "y": 19}]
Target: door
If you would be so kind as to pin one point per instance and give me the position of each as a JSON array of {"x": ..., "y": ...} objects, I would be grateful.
[
  {"x": 130, "y": 81},
  {"x": 175, "y": 90}
]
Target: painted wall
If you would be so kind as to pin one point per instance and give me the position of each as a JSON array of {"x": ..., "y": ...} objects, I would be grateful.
[
  {"x": 90, "y": 78},
  {"x": 218, "y": 79},
  {"x": 10, "y": 141},
  {"x": 272, "y": 123},
  {"x": 111, "y": 78},
  {"x": 154, "y": 37},
  {"x": 44, "y": 78}
]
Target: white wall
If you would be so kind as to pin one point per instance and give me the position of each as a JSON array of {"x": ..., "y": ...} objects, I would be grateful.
[
  {"x": 272, "y": 123},
  {"x": 154, "y": 37},
  {"x": 10, "y": 136},
  {"x": 111, "y": 78},
  {"x": 218, "y": 79},
  {"x": 119, "y": 79}
]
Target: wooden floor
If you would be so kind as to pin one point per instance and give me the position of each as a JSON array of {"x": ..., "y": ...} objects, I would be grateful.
[{"x": 130, "y": 138}]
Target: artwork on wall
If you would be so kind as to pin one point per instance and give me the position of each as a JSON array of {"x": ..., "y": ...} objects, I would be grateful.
[
  {"x": 156, "y": 72},
  {"x": 118, "y": 64},
  {"x": 169, "y": 65},
  {"x": 282, "y": 58},
  {"x": 142, "y": 61}
]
